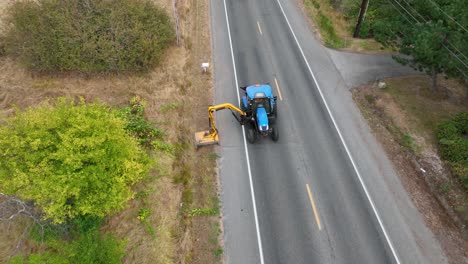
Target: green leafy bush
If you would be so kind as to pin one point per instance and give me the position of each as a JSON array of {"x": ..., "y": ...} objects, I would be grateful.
[
  {"x": 70, "y": 159},
  {"x": 86, "y": 223},
  {"x": 136, "y": 123},
  {"x": 92, "y": 247},
  {"x": 328, "y": 32},
  {"x": 89, "y": 247},
  {"x": 143, "y": 214},
  {"x": 453, "y": 144},
  {"x": 88, "y": 36},
  {"x": 315, "y": 4}
]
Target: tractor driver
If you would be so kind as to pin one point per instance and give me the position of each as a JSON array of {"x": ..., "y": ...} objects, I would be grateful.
[{"x": 261, "y": 102}]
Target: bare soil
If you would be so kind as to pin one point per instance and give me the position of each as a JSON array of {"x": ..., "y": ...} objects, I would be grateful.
[
  {"x": 403, "y": 117},
  {"x": 177, "y": 94}
]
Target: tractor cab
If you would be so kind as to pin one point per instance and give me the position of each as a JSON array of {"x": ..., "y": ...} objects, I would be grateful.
[
  {"x": 260, "y": 106},
  {"x": 258, "y": 95}
]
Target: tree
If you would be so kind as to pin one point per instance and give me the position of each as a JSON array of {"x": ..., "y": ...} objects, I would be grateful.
[
  {"x": 425, "y": 47},
  {"x": 70, "y": 159},
  {"x": 362, "y": 13},
  {"x": 433, "y": 34}
]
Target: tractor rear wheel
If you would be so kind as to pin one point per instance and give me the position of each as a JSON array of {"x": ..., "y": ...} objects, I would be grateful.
[
  {"x": 251, "y": 134},
  {"x": 274, "y": 134}
]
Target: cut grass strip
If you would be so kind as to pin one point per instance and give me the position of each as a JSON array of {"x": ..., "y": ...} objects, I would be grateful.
[{"x": 325, "y": 25}]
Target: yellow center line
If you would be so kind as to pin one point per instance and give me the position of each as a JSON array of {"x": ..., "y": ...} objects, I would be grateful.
[
  {"x": 259, "y": 28},
  {"x": 311, "y": 198},
  {"x": 279, "y": 91}
]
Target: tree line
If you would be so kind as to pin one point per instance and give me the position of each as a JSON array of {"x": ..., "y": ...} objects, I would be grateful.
[{"x": 433, "y": 34}]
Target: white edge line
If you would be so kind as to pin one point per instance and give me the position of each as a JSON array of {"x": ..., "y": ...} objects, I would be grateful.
[
  {"x": 252, "y": 192},
  {"x": 278, "y": 88},
  {"x": 342, "y": 140}
]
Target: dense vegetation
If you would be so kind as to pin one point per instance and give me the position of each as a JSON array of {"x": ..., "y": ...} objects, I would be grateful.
[
  {"x": 433, "y": 33},
  {"x": 71, "y": 159},
  {"x": 136, "y": 123},
  {"x": 85, "y": 244},
  {"x": 325, "y": 24},
  {"x": 453, "y": 145},
  {"x": 87, "y": 35}
]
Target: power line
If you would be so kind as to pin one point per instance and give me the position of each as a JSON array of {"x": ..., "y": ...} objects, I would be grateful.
[
  {"x": 400, "y": 12},
  {"x": 453, "y": 19},
  {"x": 453, "y": 54},
  {"x": 423, "y": 19},
  {"x": 406, "y": 12},
  {"x": 409, "y": 5},
  {"x": 459, "y": 52},
  {"x": 462, "y": 72},
  {"x": 417, "y": 21}
]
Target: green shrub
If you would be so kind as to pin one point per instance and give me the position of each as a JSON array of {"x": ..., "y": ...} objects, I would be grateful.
[
  {"x": 89, "y": 247},
  {"x": 93, "y": 247},
  {"x": 47, "y": 232},
  {"x": 88, "y": 36},
  {"x": 143, "y": 214},
  {"x": 316, "y": 4},
  {"x": 218, "y": 252},
  {"x": 136, "y": 123},
  {"x": 327, "y": 29},
  {"x": 48, "y": 257},
  {"x": 86, "y": 223},
  {"x": 70, "y": 158},
  {"x": 452, "y": 138},
  {"x": 461, "y": 170},
  {"x": 461, "y": 122},
  {"x": 453, "y": 144}
]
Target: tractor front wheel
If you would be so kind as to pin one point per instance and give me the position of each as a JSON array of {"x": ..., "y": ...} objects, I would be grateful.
[
  {"x": 251, "y": 134},
  {"x": 274, "y": 134}
]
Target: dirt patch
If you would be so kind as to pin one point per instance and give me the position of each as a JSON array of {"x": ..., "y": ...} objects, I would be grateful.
[
  {"x": 177, "y": 94},
  {"x": 401, "y": 121}
]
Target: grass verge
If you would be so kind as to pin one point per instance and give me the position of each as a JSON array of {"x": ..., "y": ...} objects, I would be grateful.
[
  {"x": 404, "y": 118},
  {"x": 335, "y": 30},
  {"x": 324, "y": 24}
]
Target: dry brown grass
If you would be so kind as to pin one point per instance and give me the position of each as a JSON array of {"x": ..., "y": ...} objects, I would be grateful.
[
  {"x": 177, "y": 96},
  {"x": 3, "y": 5},
  {"x": 142, "y": 247},
  {"x": 343, "y": 28},
  {"x": 13, "y": 233}
]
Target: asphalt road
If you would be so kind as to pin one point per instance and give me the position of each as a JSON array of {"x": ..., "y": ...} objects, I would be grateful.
[{"x": 301, "y": 200}]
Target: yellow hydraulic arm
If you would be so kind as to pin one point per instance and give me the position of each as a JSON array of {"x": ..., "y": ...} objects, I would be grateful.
[{"x": 209, "y": 137}]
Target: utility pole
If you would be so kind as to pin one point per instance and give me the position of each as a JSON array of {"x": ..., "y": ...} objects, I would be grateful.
[{"x": 362, "y": 13}]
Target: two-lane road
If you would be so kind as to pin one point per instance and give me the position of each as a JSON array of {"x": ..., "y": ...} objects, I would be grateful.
[{"x": 299, "y": 200}]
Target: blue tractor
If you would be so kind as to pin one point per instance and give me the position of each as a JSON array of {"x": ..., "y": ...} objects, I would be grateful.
[{"x": 260, "y": 109}]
